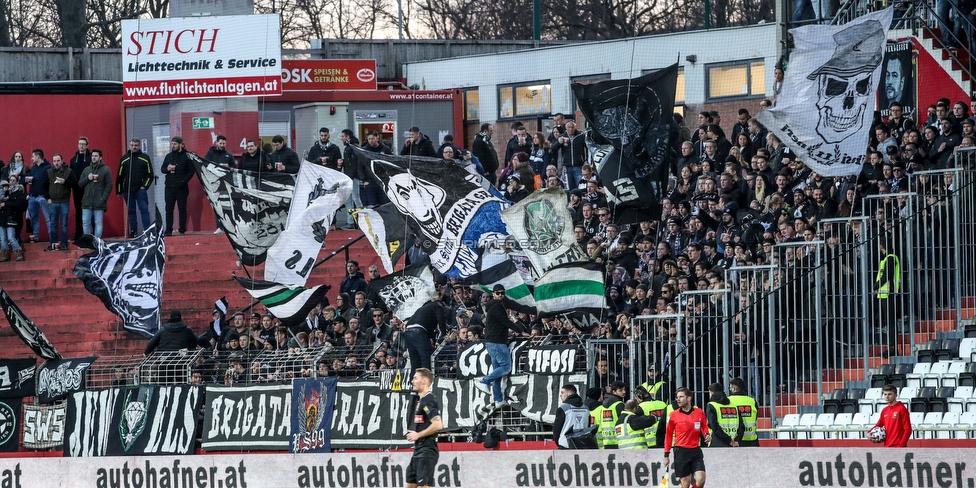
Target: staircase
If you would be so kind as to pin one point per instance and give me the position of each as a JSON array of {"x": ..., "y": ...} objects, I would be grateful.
[
  {"x": 198, "y": 272},
  {"x": 953, "y": 61}
]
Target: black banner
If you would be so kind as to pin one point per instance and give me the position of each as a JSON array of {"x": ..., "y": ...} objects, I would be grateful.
[
  {"x": 17, "y": 378},
  {"x": 312, "y": 414},
  {"x": 9, "y": 423},
  {"x": 253, "y": 417},
  {"x": 366, "y": 417},
  {"x": 630, "y": 139},
  {"x": 59, "y": 378},
  {"x": 132, "y": 421},
  {"x": 549, "y": 360},
  {"x": 474, "y": 360},
  {"x": 26, "y": 329},
  {"x": 396, "y": 380},
  {"x": 44, "y": 426},
  {"x": 536, "y": 397}
]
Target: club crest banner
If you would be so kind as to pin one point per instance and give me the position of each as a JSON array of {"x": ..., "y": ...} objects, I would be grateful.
[
  {"x": 825, "y": 111},
  {"x": 542, "y": 225}
]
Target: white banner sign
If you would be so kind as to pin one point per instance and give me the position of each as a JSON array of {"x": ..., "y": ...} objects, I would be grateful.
[
  {"x": 739, "y": 467},
  {"x": 201, "y": 57}
]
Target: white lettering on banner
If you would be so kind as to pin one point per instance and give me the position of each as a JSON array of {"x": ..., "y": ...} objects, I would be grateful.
[
  {"x": 248, "y": 416},
  {"x": 61, "y": 379},
  {"x": 178, "y": 434},
  {"x": 94, "y": 409},
  {"x": 742, "y": 468},
  {"x": 43, "y": 425},
  {"x": 551, "y": 361}
]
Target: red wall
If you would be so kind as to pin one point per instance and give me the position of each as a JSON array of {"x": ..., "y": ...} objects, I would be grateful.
[
  {"x": 54, "y": 123},
  {"x": 933, "y": 82}
]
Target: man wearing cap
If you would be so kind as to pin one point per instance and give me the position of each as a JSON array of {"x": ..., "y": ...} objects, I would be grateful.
[
  {"x": 178, "y": 171},
  {"x": 174, "y": 335},
  {"x": 497, "y": 325}
]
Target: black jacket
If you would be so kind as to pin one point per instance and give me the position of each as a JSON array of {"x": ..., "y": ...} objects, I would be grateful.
[
  {"x": 258, "y": 162},
  {"x": 352, "y": 284},
  {"x": 574, "y": 151},
  {"x": 332, "y": 155},
  {"x": 38, "y": 186},
  {"x": 221, "y": 156},
  {"x": 13, "y": 209},
  {"x": 497, "y": 323},
  {"x": 422, "y": 148},
  {"x": 96, "y": 193},
  {"x": 287, "y": 157},
  {"x": 181, "y": 176},
  {"x": 350, "y": 165},
  {"x": 557, "y": 424},
  {"x": 363, "y": 172},
  {"x": 172, "y": 336},
  {"x": 79, "y": 162},
  {"x": 135, "y": 173},
  {"x": 482, "y": 149}
]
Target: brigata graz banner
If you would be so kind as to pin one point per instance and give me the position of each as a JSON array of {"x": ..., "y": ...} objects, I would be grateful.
[
  {"x": 365, "y": 416},
  {"x": 741, "y": 468},
  {"x": 200, "y": 57},
  {"x": 136, "y": 420},
  {"x": 252, "y": 417}
]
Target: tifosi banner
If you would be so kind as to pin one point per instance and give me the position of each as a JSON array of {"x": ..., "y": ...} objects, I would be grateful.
[
  {"x": 44, "y": 426},
  {"x": 253, "y": 417},
  {"x": 328, "y": 74},
  {"x": 201, "y": 57},
  {"x": 553, "y": 360},
  {"x": 867, "y": 466}
]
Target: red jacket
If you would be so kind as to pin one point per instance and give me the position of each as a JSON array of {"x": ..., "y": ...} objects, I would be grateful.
[
  {"x": 685, "y": 429},
  {"x": 897, "y": 423}
]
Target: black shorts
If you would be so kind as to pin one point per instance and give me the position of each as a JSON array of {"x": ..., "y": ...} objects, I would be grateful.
[
  {"x": 687, "y": 461},
  {"x": 421, "y": 469}
]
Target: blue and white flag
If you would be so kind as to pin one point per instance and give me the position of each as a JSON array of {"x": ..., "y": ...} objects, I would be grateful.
[
  {"x": 825, "y": 111},
  {"x": 319, "y": 192}
]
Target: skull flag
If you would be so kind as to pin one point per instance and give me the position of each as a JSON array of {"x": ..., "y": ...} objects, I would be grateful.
[
  {"x": 251, "y": 208},
  {"x": 836, "y": 70},
  {"x": 404, "y": 292},
  {"x": 630, "y": 139},
  {"x": 447, "y": 207},
  {"x": 127, "y": 277}
]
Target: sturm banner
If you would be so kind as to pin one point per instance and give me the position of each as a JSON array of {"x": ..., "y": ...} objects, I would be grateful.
[
  {"x": 201, "y": 57},
  {"x": 57, "y": 379},
  {"x": 9, "y": 423},
  {"x": 312, "y": 414},
  {"x": 138, "y": 420},
  {"x": 253, "y": 417},
  {"x": 44, "y": 426}
]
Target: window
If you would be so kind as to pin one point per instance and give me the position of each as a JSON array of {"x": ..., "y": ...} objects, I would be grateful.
[
  {"x": 740, "y": 79},
  {"x": 523, "y": 100},
  {"x": 471, "y": 104}
]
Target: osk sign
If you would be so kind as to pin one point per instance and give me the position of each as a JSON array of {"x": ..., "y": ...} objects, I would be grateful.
[
  {"x": 328, "y": 74},
  {"x": 201, "y": 57}
]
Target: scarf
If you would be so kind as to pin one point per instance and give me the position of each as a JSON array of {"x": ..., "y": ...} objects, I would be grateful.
[
  {"x": 16, "y": 168},
  {"x": 324, "y": 146}
]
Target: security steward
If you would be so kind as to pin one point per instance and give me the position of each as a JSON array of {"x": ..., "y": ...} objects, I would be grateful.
[
  {"x": 747, "y": 410},
  {"x": 653, "y": 385},
  {"x": 571, "y": 416},
  {"x": 594, "y": 402},
  {"x": 179, "y": 171},
  {"x": 651, "y": 408},
  {"x": 631, "y": 426},
  {"x": 723, "y": 419},
  {"x": 613, "y": 405}
]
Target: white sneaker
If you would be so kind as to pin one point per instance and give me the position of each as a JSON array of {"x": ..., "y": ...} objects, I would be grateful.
[
  {"x": 503, "y": 403},
  {"x": 218, "y": 231},
  {"x": 482, "y": 386}
]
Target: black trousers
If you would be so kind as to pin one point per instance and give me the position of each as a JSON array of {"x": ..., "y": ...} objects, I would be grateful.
[{"x": 177, "y": 198}]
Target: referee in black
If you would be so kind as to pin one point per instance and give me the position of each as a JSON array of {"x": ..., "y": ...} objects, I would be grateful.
[{"x": 426, "y": 424}]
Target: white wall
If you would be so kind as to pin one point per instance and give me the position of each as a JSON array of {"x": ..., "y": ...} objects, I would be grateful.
[{"x": 622, "y": 59}]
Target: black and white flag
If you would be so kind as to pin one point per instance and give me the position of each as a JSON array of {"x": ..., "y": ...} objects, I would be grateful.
[
  {"x": 290, "y": 304},
  {"x": 386, "y": 230},
  {"x": 543, "y": 227},
  {"x": 825, "y": 110},
  {"x": 17, "y": 378},
  {"x": 404, "y": 292},
  {"x": 127, "y": 277},
  {"x": 448, "y": 208},
  {"x": 496, "y": 267},
  {"x": 251, "y": 208},
  {"x": 630, "y": 139},
  {"x": 57, "y": 379},
  {"x": 319, "y": 192},
  {"x": 26, "y": 329}
]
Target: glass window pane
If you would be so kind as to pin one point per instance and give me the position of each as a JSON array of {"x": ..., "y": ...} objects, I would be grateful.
[
  {"x": 757, "y": 75},
  {"x": 532, "y": 99},
  {"x": 506, "y": 106},
  {"x": 679, "y": 91},
  {"x": 728, "y": 81},
  {"x": 471, "y": 104}
]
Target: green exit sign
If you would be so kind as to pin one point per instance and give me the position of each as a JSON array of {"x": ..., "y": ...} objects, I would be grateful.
[{"x": 203, "y": 122}]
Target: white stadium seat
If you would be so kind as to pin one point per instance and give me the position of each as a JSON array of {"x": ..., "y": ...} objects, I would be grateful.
[
  {"x": 786, "y": 429},
  {"x": 807, "y": 422}
]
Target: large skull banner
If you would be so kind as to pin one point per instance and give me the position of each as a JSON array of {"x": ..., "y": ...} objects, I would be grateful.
[{"x": 825, "y": 110}]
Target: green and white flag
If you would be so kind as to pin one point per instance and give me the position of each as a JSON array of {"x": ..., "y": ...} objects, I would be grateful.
[
  {"x": 290, "y": 304},
  {"x": 570, "y": 287},
  {"x": 497, "y": 267},
  {"x": 543, "y": 227}
]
